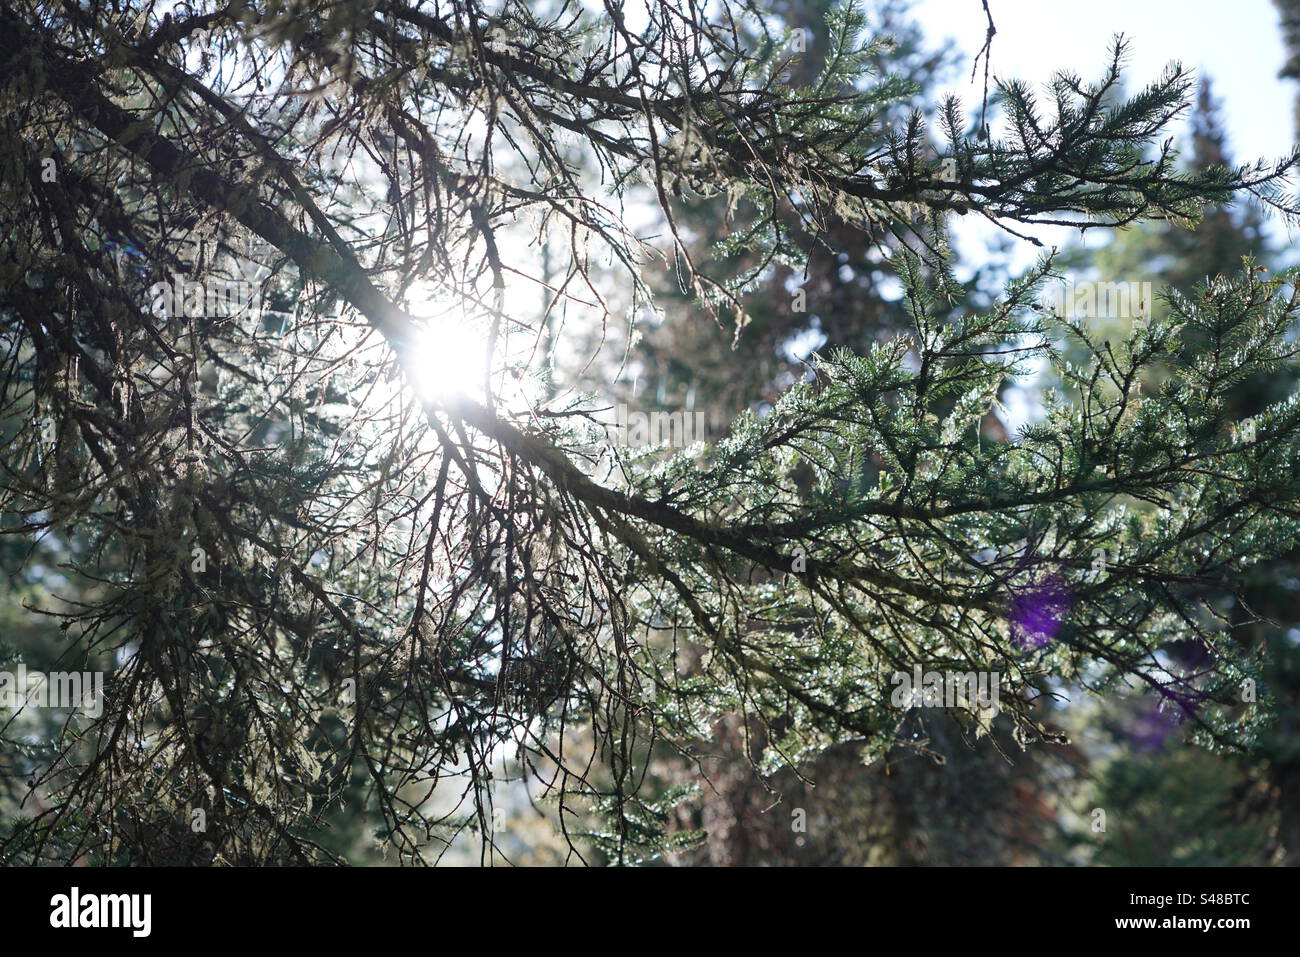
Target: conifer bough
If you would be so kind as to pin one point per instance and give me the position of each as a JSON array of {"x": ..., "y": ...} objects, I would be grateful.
[{"x": 394, "y": 594}]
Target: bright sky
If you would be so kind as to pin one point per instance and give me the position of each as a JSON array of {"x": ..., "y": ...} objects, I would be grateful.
[{"x": 1236, "y": 41}]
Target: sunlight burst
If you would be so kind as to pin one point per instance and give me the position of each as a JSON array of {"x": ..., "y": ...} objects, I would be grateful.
[{"x": 450, "y": 351}]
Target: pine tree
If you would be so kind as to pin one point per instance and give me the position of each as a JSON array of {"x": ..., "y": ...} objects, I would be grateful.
[
  {"x": 1147, "y": 769},
  {"x": 397, "y": 581}
]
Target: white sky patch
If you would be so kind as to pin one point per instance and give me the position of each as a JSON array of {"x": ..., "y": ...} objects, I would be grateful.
[
  {"x": 451, "y": 348},
  {"x": 1020, "y": 406}
]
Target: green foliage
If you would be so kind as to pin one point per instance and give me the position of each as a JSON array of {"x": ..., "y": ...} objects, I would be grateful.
[{"x": 416, "y": 597}]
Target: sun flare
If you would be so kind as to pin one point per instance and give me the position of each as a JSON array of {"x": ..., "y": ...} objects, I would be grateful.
[{"x": 449, "y": 357}]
